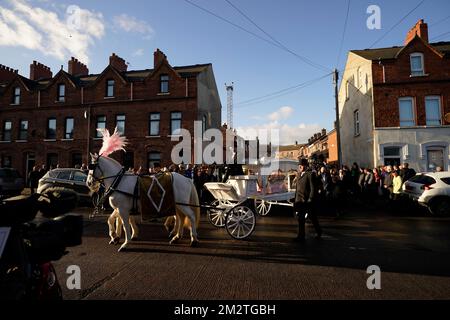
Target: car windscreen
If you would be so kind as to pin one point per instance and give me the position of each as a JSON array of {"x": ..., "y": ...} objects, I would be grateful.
[
  {"x": 422, "y": 179},
  {"x": 64, "y": 175},
  {"x": 79, "y": 176}
]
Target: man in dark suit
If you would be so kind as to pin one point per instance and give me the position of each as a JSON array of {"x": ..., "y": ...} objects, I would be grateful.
[{"x": 305, "y": 198}]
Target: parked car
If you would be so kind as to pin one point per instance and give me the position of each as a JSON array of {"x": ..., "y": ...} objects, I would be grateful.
[
  {"x": 74, "y": 179},
  {"x": 11, "y": 183},
  {"x": 431, "y": 190}
]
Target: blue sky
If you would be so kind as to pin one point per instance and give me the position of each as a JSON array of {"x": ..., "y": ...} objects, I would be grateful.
[{"x": 188, "y": 35}]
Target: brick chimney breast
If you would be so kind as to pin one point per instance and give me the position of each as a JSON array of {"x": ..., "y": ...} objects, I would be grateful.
[
  {"x": 6, "y": 73},
  {"x": 420, "y": 29},
  {"x": 39, "y": 71},
  {"x": 76, "y": 68},
  {"x": 158, "y": 56},
  {"x": 118, "y": 63}
]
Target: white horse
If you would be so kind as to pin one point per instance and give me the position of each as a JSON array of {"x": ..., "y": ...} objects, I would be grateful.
[{"x": 105, "y": 169}]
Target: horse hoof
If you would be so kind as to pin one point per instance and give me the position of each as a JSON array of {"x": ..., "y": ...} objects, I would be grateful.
[
  {"x": 115, "y": 241},
  {"x": 122, "y": 248},
  {"x": 194, "y": 243},
  {"x": 170, "y": 235},
  {"x": 174, "y": 240}
]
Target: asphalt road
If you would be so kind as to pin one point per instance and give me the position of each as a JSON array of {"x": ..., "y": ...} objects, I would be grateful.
[{"x": 411, "y": 248}]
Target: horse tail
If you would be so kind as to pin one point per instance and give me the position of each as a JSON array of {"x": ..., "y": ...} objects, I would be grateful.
[{"x": 195, "y": 201}]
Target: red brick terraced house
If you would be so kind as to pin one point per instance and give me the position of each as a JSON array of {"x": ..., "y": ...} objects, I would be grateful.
[
  {"x": 52, "y": 120},
  {"x": 394, "y": 104}
]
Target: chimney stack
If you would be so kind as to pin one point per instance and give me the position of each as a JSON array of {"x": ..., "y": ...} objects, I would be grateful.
[
  {"x": 76, "y": 68},
  {"x": 118, "y": 63},
  {"x": 158, "y": 56},
  {"x": 420, "y": 29},
  {"x": 39, "y": 71},
  {"x": 324, "y": 132},
  {"x": 7, "y": 74}
]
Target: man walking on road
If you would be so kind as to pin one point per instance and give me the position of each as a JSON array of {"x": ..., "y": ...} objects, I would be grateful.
[{"x": 305, "y": 197}]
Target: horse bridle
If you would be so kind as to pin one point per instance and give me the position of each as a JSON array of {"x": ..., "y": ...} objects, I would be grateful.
[{"x": 94, "y": 166}]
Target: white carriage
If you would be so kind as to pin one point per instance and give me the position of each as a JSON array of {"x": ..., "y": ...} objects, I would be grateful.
[{"x": 233, "y": 200}]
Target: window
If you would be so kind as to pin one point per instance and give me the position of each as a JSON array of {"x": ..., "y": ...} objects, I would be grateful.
[
  {"x": 23, "y": 130},
  {"x": 356, "y": 123},
  {"x": 164, "y": 83},
  {"x": 61, "y": 93},
  {"x": 433, "y": 110},
  {"x": 101, "y": 124},
  {"x": 68, "y": 133},
  {"x": 16, "y": 96},
  {"x": 391, "y": 156},
  {"x": 416, "y": 60},
  {"x": 109, "y": 88},
  {"x": 52, "y": 162},
  {"x": 7, "y": 126},
  {"x": 175, "y": 123},
  {"x": 6, "y": 162},
  {"x": 128, "y": 160},
  {"x": 153, "y": 157},
  {"x": 77, "y": 159},
  {"x": 63, "y": 175},
  {"x": 406, "y": 111},
  {"x": 154, "y": 124},
  {"x": 120, "y": 123},
  {"x": 51, "y": 129}
]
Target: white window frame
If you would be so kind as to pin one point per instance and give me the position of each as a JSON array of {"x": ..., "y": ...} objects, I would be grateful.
[
  {"x": 356, "y": 123},
  {"x": 438, "y": 98},
  {"x": 417, "y": 72},
  {"x": 413, "y": 112}
]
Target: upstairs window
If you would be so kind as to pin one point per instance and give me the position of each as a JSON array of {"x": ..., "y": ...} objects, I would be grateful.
[
  {"x": 109, "y": 88},
  {"x": 153, "y": 158},
  {"x": 7, "y": 127},
  {"x": 175, "y": 123},
  {"x": 68, "y": 133},
  {"x": 61, "y": 97},
  {"x": 23, "y": 130},
  {"x": 51, "y": 129},
  {"x": 356, "y": 127},
  {"x": 417, "y": 68},
  {"x": 120, "y": 123},
  {"x": 101, "y": 124},
  {"x": 154, "y": 124},
  {"x": 433, "y": 110},
  {"x": 406, "y": 112},
  {"x": 16, "y": 96},
  {"x": 164, "y": 83}
]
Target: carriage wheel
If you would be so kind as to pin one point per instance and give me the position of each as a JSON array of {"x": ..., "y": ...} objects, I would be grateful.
[
  {"x": 240, "y": 222},
  {"x": 262, "y": 207},
  {"x": 216, "y": 216}
]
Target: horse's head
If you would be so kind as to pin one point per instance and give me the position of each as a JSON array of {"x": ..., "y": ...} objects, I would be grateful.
[{"x": 95, "y": 173}]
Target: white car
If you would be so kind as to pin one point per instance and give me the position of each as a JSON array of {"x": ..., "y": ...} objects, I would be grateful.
[{"x": 431, "y": 190}]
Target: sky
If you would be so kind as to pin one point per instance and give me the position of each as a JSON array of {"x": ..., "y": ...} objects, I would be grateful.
[{"x": 294, "y": 31}]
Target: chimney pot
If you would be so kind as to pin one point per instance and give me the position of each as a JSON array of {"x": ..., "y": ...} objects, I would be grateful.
[{"x": 39, "y": 71}]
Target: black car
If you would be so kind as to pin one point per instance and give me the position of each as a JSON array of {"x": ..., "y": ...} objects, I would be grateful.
[
  {"x": 11, "y": 183},
  {"x": 74, "y": 179}
]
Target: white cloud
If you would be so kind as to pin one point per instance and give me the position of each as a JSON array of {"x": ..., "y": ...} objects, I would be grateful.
[
  {"x": 138, "y": 53},
  {"x": 282, "y": 113},
  {"x": 39, "y": 29},
  {"x": 287, "y": 134},
  {"x": 131, "y": 24}
]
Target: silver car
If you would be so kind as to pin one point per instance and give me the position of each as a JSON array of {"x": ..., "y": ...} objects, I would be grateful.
[{"x": 11, "y": 183}]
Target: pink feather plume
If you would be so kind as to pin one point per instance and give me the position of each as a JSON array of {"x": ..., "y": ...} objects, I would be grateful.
[{"x": 111, "y": 143}]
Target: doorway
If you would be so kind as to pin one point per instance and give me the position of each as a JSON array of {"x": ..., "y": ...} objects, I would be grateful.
[{"x": 29, "y": 164}]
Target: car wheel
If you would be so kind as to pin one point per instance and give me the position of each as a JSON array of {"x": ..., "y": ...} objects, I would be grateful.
[{"x": 441, "y": 207}]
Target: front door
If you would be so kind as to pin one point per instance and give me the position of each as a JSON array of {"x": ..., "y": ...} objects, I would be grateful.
[
  {"x": 435, "y": 158},
  {"x": 29, "y": 164}
]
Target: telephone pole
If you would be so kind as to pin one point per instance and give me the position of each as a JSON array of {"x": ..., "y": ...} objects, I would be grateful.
[{"x": 338, "y": 134}]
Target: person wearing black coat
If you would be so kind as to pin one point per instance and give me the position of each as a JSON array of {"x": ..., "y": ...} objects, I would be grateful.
[
  {"x": 305, "y": 199},
  {"x": 33, "y": 179}
]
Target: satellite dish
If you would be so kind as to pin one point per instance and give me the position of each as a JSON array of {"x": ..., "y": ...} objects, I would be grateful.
[{"x": 447, "y": 117}]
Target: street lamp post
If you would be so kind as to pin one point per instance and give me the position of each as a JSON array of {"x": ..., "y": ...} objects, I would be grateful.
[{"x": 87, "y": 115}]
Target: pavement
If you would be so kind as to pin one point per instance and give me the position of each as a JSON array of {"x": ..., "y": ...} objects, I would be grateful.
[{"x": 411, "y": 249}]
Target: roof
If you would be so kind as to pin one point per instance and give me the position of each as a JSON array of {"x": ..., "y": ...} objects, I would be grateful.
[
  {"x": 391, "y": 53},
  {"x": 289, "y": 147},
  {"x": 131, "y": 76}
]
